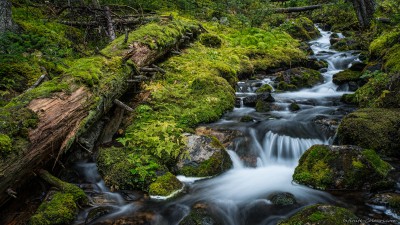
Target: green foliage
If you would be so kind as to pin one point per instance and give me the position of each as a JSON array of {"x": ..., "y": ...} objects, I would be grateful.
[
  {"x": 144, "y": 167},
  {"x": 340, "y": 16},
  {"x": 381, "y": 45},
  {"x": 5, "y": 144},
  {"x": 165, "y": 185}
]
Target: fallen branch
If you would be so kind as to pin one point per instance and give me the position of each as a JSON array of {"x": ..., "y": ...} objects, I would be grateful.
[
  {"x": 123, "y": 105},
  {"x": 38, "y": 82}
]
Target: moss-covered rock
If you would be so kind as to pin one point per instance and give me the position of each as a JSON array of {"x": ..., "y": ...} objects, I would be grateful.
[
  {"x": 263, "y": 106},
  {"x": 346, "y": 76},
  {"x": 340, "y": 167},
  {"x": 122, "y": 169},
  {"x": 346, "y": 44},
  {"x": 165, "y": 185},
  {"x": 264, "y": 88},
  {"x": 246, "y": 118},
  {"x": 282, "y": 199},
  {"x": 199, "y": 215},
  {"x": 61, "y": 206},
  {"x": 298, "y": 78},
  {"x": 372, "y": 128},
  {"x": 207, "y": 157},
  {"x": 60, "y": 209},
  {"x": 321, "y": 214},
  {"x": 210, "y": 40},
  {"x": 294, "y": 107},
  {"x": 301, "y": 28}
]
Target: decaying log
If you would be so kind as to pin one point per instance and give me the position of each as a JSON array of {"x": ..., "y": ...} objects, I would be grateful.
[
  {"x": 297, "y": 9},
  {"x": 64, "y": 116}
]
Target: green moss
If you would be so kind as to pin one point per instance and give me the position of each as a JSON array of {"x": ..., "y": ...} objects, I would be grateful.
[
  {"x": 377, "y": 163},
  {"x": 210, "y": 40},
  {"x": 61, "y": 209},
  {"x": 347, "y": 44},
  {"x": 394, "y": 202},
  {"x": 384, "y": 42},
  {"x": 298, "y": 78},
  {"x": 218, "y": 163},
  {"x": 156, "y": 35},
  {"x": 263, "y": 106},
  {"x": 320, "y": 214},
  {"x": 346, "y": 76},
  {"x": 165, "y": 185},
  {"x": 372, "y": 128},
  {"x": 122, "y": 170},
  {"x": 246, "y": 119},
  {"x": 264, "y": 88},
  {"x": 283, "y": 86},
  {"x": 294, "y": 106},
  {"x": 392, "y": 59},
  {"x": 5, "y": 144},
  {"x": 326, "y": 167},
  {"x": 301, "y": 28},
  {"x": 348, "y": 99}
]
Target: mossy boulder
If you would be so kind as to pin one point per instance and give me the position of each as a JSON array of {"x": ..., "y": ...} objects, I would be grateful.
[
  {"x": 246, "y": 119},
  {"x": 298, "y": 78},
  {"x": 347, "y": 76},
  {"x": 372, "y": 128},
  {"x": 123, "y": 169},
  {"x": 210, "y": 40},
  {"x": 346, "y": 44},
  {"x": 282, "y": 199},
  {"x": 341, "y": 167},
  {"x": 263, "y": 106},
  {"x": 199, "y": 215},
  {"x": 264, "y": 88},
  {"x": 321, "y": 214},
  {"x": 165, "y": 185},
  {"x": 60, "y": 208},
  {"x": 294, "y": 107},
  {"x": 252, "y": 100},
  {"x": 301, "y": 28},
  {"x": 207, "y": 157}
]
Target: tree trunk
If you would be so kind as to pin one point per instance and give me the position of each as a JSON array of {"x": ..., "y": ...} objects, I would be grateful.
[
  {"x": 365, "y": 10},
  {"x": 6, "y": 22},
  {"x": 64, "y": 116}
]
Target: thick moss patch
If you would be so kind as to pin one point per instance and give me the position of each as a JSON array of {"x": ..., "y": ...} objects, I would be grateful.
[
  {"x": 165, "y": 185},
  {"x": 346, "y": 76},
  {"x": 372, "y": 128},
  {"x": 298, "y": 78},
  {"x": 340, "y": 167},
  {"x": 321, "y": 214},
  {"x": 301, "y": 28}
]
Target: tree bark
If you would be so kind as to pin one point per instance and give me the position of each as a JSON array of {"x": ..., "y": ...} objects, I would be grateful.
[
  {"x": 64, "y": 116},
  {"x": 365, "y": 10},
  {"x": 6, "y": 21}
]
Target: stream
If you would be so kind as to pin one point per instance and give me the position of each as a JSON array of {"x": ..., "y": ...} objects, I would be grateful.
[{"x": 272, "y": 143}]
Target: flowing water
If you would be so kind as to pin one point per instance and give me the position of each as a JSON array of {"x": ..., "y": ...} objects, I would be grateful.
[{"x": 264, "y": 158}]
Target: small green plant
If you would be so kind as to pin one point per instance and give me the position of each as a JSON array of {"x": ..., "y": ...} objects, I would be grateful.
[{"x": 144, "y": 167}]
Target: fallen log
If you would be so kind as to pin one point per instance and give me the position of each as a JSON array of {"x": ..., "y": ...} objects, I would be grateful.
[
  {"x": 297, "y": 9},
  {"x": 49, "y": 118}
]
